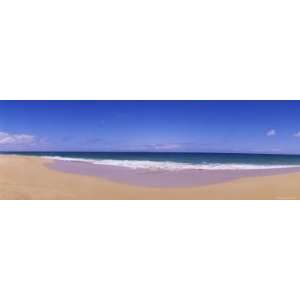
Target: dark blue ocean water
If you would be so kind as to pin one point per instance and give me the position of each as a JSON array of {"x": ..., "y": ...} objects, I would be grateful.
[{"x": 176, "y": 160}]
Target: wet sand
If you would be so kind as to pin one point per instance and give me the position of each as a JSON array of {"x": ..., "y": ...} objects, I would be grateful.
[
  {"x": 162, "y": 178},
  {"x": 23, "y": 177}
]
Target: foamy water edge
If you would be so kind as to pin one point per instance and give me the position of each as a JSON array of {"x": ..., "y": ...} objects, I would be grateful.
[{"x": 169, "y": 165}]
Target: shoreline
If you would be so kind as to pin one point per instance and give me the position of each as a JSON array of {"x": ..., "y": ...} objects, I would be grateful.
[
  {"x": 28, "y": 177},
  {"x": 162, "y": 178}
]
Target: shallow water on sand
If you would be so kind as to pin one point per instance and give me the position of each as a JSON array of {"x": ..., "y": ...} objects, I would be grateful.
[{"x": 162, "y": 178}]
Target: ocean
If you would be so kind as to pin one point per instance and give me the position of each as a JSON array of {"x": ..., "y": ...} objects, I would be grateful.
[{"x": 175, "y": 161}]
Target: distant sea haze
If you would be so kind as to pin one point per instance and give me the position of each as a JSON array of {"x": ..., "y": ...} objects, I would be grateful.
[{"x": 175, "y": 161}]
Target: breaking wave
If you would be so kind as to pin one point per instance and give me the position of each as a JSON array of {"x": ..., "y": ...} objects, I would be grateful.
[{"x": 169, "y": 165}]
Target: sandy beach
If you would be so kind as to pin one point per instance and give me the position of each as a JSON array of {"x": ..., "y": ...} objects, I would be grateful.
[{"x": 24, "y": 177}]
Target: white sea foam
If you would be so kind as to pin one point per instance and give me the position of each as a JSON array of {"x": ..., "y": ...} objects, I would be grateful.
[{"x": 169, "y": 165}]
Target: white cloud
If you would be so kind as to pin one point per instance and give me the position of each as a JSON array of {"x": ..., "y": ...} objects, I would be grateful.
[
  {"x": 297, "y": 134},
  {"x": 167, "y": 147},
  {"x": 15, "y": 139},
  {"x": 271, "y": 132},
  {"x": 164, "y": 146}
]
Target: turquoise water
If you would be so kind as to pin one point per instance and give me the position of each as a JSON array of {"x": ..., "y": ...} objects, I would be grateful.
[{"x": 172, "y": 161}]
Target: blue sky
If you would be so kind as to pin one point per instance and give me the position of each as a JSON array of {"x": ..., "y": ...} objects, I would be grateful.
[{"x": 198, "y": 126}]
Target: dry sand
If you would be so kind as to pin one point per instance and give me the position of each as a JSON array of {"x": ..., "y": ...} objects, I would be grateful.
[{"x": 24, "y": 177}]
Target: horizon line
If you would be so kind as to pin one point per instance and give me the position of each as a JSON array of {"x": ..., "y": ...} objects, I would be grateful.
[{"x": 152, "y": 152}]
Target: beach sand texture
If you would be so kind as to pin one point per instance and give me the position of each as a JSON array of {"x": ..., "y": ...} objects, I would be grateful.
[{"x": 23, "y": 177}]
